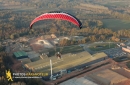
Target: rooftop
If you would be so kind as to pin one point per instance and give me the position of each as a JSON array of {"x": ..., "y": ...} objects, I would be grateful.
[
  {"x": 123, "y": 71},
  {"x": 127, "y": 82},
  {"x": 35, "y": 59},
  {"x": 32, "y": 54},
  {"x": 99, "y": 55},
  {"x": 78, "y": 81},
  {"x": 108, "y": 77},
  {"x": 25, "y": 60},
  {"x": 68, "y": 60},
  {"x": 19, "y": 54}
]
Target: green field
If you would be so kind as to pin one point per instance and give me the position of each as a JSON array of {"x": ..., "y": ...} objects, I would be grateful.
[
  {"x": 116, "y": 3},
  {"x": 102, "y": 46},
  {"x": 116, "y": 24},
  {"x": 120, "y": 4},
  {"x": 66, "y": 49}
]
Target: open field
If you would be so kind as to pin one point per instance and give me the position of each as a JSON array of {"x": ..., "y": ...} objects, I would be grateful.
[
  {"x": 108, "y": 3},
  {"x": 121, "y": 3},
  {"x": 66, "y": 49},
  {"x": 25, "y": 8},
  {"x": 102, "y": 46},
  {"x": 16, "y": 7},
  {"x": 93, "y": 6},
  {"x": 115, "y": 24}
]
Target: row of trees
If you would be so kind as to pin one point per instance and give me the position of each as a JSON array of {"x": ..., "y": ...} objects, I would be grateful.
[
  {"x": 12, "y": 34},
  {"x": 91, "y": 38},
  {"x": 94, "y": 31},
  {"x": 95, "y": 34},
  {"x": 98, "y": 33}
]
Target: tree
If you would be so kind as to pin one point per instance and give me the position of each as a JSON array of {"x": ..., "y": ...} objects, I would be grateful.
[
  {"x": 63, "y": 42},
  {"x": 95, "y": 30},
  {"x": 12, "y": 36},
  {"x": 115, "y": 39},
  {"x": 92, "y": 38},
  {"x": 102, "y": 37},
  {"x": 84, "y": 40},
  {"x": 99, "y": 23},
  {"x": 53, "y": 30},
  {"x": 73, "y": 31}
]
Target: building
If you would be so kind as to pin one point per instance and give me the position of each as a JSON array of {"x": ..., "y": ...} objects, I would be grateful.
[
  {"x": 36, "y": 47},
  {"x": 108, "y": 77},
  {"x": 23, "y": 39},
  {"x": 33, "y": 56},
  {"x": 69, "y": 62},
  {"x": 20, "y": 55},
  {"x": 78, "y": 81},
  {"x": 123, "y": 71},
  {"x": 126, "y": 49},
  {"x": 44, "y": 43},
  {"x": 77, "y": 38},
  {"x": 25, "y": 60},
  {"x": 127, "y": 82},
  {"x": 55, "y": 41},
  {"x": 53, "y": 36}
]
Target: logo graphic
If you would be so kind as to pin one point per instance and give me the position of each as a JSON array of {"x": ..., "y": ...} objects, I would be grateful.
[{"x": 8, "y": 75}]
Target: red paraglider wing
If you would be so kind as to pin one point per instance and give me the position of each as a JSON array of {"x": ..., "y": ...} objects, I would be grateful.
[{"x": 60, "y": 15}]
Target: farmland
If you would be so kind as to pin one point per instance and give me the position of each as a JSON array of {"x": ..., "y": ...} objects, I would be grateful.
[{"x": 116, "y": 24}]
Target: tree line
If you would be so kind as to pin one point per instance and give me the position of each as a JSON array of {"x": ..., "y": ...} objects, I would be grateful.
[{"x": 93, "y": 35}]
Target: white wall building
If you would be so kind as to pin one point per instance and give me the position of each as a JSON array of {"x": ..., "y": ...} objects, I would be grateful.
[{"x": 45, "y": 43}]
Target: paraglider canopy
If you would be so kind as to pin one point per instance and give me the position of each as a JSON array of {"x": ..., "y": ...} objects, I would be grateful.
[{"x": 57, "y": 15}]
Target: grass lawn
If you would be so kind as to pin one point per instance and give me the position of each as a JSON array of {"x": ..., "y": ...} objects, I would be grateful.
[
  {"x": 102, "y": 46},
  {"x": 116, "y": 24},
  {"x": 66, "y": 49}
]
